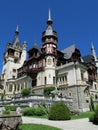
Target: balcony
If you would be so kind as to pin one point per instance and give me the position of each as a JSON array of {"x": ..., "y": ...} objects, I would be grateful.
[{"x": 34, "y": 70}]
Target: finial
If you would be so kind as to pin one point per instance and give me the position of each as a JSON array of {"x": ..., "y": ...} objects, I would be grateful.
[
  {"x": 49, "y": 15},
  {"x": 73, "y": 42},
  {"x": 92, "y": 45},
  {"x": 17, "y": 28}
]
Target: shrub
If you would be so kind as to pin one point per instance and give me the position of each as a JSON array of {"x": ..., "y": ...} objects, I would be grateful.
[
  {"x": 7, "y": 112},
  {"x": 59, "y": 111},
  {"x": 39, "y": 111},
  {"x": 91, "y": 119},
  {"x": 25, "y": 92},
  {"x": 48, "y": 90},
  {"x": 10, "y": 108},
  {"x": 94, "y": 117},
  {"x": 91, "y": 104},
  {"x": 29, "y": 111}
]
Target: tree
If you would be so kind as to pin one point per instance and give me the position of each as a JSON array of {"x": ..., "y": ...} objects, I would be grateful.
[
  {"x": 25, "y": 92},
  {"x": 94, "y": 116},
  {"x": 91, "y": 104},
  {"x": 48, "y": 90}
]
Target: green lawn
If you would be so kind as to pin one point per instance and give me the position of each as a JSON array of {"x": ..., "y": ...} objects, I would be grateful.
[
  {"x": 42, "y": 117},
  {"x": 82, "y": 115},
  {"x": 36, "y": 127},
  {"x": 44, "y": 127}
]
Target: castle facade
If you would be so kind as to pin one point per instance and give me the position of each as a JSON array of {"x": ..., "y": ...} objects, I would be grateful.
[{"x": 74, "y": 76}]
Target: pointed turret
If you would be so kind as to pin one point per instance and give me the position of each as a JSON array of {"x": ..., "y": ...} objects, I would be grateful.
[
  {"x": 16, "y": 38},
  {"x": 49, "y": 30},
  {"x": 93, "y": 52},
  {"x": 49, "y": 38}
]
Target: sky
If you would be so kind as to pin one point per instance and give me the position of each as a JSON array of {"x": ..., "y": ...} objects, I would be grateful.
[{"x": 75, "y": 21}]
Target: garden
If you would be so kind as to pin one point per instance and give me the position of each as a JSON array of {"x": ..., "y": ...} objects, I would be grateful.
[{"x": 58, "y": 111}]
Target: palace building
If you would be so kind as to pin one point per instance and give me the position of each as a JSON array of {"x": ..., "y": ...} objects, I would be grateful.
[{"x": 73, "y": 76}]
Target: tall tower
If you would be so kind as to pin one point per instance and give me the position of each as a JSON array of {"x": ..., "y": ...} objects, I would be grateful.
[
  {"x": 14, "y": 57},
  {"x": 49, "y": 49}
]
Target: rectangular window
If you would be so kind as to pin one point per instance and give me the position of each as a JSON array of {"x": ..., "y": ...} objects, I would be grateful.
[
  {"x": 45, "y": 80},
  {"x": 14, "y": 70},
  {"x": 54, "y": 80},
  {"x": 63, "y": 78},
  {"x": 13, "y": 77},
  {"x": 66, "y": 78},
  {"x": 10, "y": 88},
  {"x": 82, "y": 76},
  {"x": 95, "y": 87}
]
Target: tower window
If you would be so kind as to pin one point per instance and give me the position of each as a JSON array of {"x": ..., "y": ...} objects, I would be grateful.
[
  {"x": 53, "y": 80},
  {"x": 18, "y": 87},
  {"x": 96, "y": 96},
  {"x": 45, "y": 80},
  {"x": 82, "y": 76},
  {"x": 15, "y": 87},
  {"x": 13, "y": 77},
  {"x": 14, "y": 70}
]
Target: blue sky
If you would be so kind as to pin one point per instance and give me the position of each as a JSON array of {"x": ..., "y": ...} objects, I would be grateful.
[{"x": 76, "y": 21}]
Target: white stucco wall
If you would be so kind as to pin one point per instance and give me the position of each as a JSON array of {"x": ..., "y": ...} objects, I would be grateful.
[{"x": 73, "y": 73}]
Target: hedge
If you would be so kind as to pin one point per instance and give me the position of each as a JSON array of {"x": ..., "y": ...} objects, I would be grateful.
[{"x": 59, "y": 111}]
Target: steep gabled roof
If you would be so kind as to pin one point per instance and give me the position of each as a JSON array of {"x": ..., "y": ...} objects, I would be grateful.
[
  {"x": 35, "y": 46},
  {"x": 88, "y": 59},
  {"x": 69, "y": 51}
]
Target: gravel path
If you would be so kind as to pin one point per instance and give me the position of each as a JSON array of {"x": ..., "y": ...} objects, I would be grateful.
[{"x": 80, "y": 124}]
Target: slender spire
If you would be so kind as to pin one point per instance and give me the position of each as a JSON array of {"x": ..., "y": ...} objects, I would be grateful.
[
  {"x": 92, "y": 46},
  {"x": 93, "y": 52},
  {"x": 16, "y": 38},
  {"x": 17, "y": 28},
  {"x": 49, "y": 22},
  {"x": 49, "y": 15}
]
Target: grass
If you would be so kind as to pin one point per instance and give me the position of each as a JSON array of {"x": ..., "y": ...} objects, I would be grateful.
[
  {"x": 36, "y": 127},
  {"x": 42, "y": 117},
  {"x": 45, "y": 127},
  {"x": 82, "y": 115}
]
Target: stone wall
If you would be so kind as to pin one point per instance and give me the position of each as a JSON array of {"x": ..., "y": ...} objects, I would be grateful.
[
  {"x": 10, "y": 122},
  {"x": 37, "y": 100},
  {"x": 78, "y": 96}
]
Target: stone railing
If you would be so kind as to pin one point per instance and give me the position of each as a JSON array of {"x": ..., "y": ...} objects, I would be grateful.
[{"x": 36, "y": 100}]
